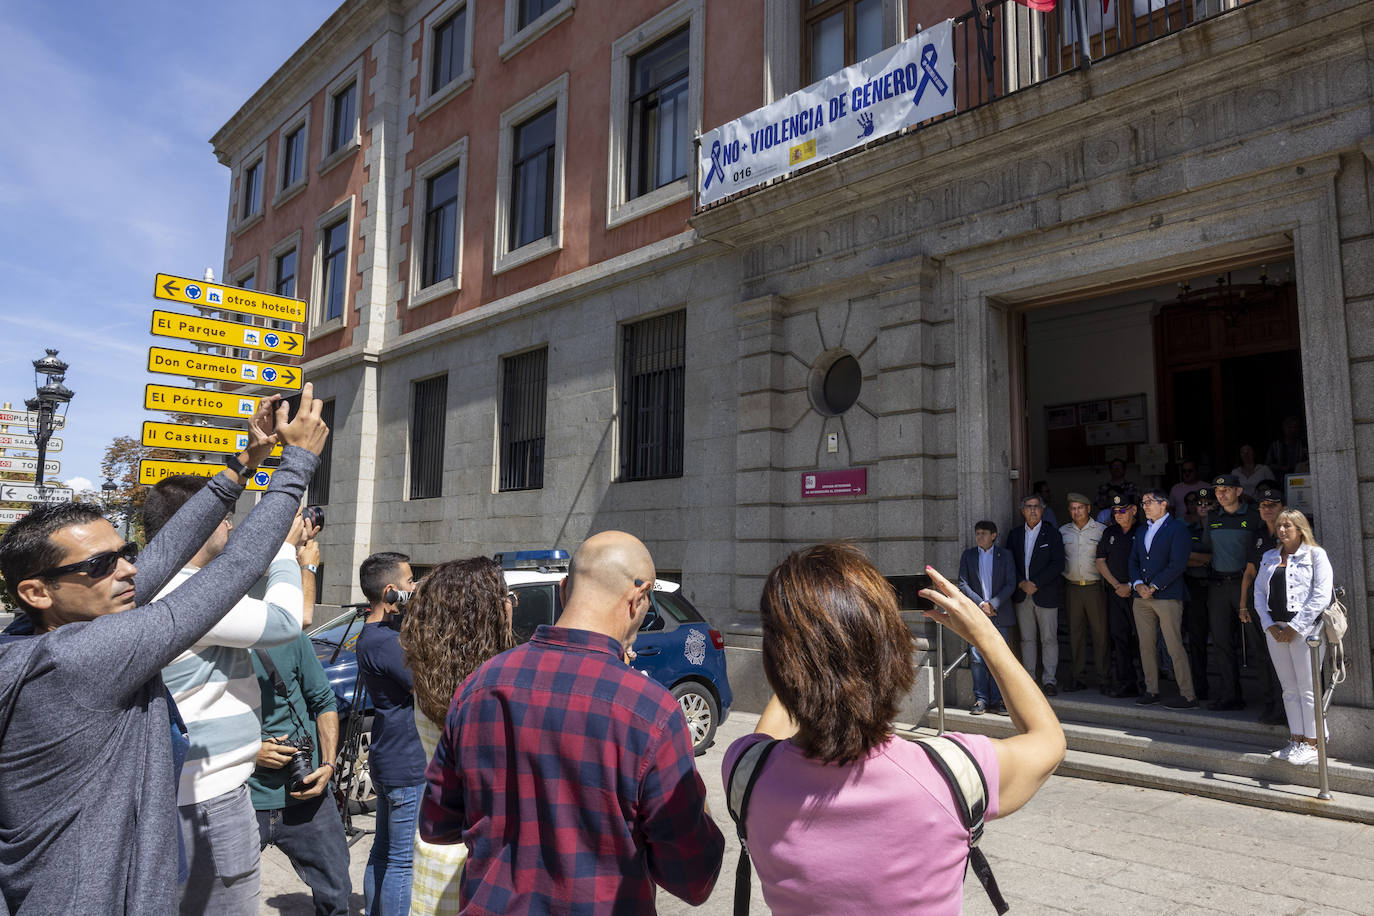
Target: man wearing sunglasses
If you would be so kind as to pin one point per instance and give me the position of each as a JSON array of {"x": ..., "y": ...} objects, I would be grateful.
[{"x": 88, "y": 820}]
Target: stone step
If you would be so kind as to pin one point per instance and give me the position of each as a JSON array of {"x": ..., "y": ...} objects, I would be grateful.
[{"x": 1205, "y": 765}]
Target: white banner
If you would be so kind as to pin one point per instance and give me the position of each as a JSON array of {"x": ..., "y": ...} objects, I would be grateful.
[{"x": 893, "y": 89}]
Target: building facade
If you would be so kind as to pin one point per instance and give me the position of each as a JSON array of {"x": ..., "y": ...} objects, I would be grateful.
[{"x": 529, "y": 333}]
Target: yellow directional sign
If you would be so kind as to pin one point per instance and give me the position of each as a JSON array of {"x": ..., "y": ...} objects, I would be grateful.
[
  {"x": 198, "y": 401},
  {"x": 150, "y": 472},
  {"x": 222, "y": 368},
  {"x": 226, "y": 333},
  {"x": 229, "y": 298},
  {"x": 197, "y": 438}
]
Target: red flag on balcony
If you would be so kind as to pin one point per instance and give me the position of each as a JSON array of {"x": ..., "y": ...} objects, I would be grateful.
[{"x": 1047, "y": 6}]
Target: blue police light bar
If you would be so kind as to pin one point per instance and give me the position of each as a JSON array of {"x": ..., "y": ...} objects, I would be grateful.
[{"x": 532, "y": 559}]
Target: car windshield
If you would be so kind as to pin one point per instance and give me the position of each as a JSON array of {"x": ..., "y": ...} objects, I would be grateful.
[{"x": 677, "y": 607}]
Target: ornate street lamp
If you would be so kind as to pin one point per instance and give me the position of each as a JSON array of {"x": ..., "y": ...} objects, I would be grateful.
[{"x": 50, "y": 403}]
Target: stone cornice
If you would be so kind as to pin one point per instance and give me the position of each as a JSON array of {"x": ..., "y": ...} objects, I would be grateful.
[{"x": 312, "y": 63}]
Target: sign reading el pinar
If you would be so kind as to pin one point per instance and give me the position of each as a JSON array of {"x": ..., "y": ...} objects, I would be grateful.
[
  {"x": 226, "y": 333},
  {"x": 227, "y": 298},
  {"x": 150, "y": 472},
  {"x": 223, "y": 368}
]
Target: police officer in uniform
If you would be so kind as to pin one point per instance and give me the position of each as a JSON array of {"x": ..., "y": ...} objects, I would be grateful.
[
  {"x": 1195, "y": 578},
  {"x": 1114, "y": 563},
  {"x": 1227, "y": 532},
  {"x": 1263, "y": 540}
]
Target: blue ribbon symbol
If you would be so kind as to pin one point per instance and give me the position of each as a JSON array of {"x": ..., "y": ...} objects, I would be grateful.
[
  {"x": 928, "y": 58},
  {"x": 716, "y": 167}
]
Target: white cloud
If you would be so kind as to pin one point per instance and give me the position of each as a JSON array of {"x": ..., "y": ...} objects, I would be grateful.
[{"x": 80, "y": 484}]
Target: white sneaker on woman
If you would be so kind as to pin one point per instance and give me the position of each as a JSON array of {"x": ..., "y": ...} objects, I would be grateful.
[
  {"x": 1284, "y": 752},
  {"x": 1302, "y": 755}
]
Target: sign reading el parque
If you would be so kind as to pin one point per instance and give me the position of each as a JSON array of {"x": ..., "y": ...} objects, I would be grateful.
[
  {"x": 227, "y": 298},
  {"x": 225, "y": 333},
  {"x": 895, "y": 88}
]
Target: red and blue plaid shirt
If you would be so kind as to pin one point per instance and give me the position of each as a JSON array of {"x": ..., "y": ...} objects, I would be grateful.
[{"x": 571, "y": 779}]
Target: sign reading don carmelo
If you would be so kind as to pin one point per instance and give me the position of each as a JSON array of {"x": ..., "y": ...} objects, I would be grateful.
[{"x": 896, "y": 88}]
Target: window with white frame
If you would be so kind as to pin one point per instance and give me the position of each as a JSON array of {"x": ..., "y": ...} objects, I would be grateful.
[
  {"x": 526, "y": 20},
  {"x": 329, "y": 280},
  {"x": 436, "y": 229},
  {"x": 656, "y": 80},
  {"x": 446, "y": 60},
  {"x": 250, "y": 191},
  {"x": 807, "y": 40},
  {"x": 293, "y": 146},
  {"x": 532, "y": 150},
  {"x": 342, "y": 124},
  {"x": 286, "y": 265}
]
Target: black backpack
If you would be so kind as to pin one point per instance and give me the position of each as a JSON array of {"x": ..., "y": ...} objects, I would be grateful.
[{"x": 961, "y": 771}]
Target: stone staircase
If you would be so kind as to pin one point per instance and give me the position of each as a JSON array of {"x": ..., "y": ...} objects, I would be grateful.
[{"x": 1216, "y": 755}]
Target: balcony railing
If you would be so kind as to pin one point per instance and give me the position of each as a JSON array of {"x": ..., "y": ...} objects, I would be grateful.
[{"x": 1001, "y": 48}]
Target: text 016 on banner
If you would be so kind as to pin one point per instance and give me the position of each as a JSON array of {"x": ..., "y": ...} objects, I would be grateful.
[{"x": 896, "y": 88}]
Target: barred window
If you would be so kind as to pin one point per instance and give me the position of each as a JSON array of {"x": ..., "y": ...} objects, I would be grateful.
[
  {"x": 653, "y": 373},
  {"x": 524, "y": 387},
  {"x": 429, "y": 403},
  {"x": 318, "y": 494}
]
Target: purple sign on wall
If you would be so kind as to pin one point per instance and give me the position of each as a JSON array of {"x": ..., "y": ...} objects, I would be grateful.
[{"x": 852, "y": 482}]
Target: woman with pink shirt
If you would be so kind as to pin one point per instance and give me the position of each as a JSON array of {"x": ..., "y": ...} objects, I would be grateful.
[{"x": 845, "y": 815}]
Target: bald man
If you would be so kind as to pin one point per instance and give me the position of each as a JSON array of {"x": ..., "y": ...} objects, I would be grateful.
[{"x": 569, "y": 774}]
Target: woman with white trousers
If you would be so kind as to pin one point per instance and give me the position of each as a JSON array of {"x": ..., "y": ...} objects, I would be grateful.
[{"x": 1292, "y": 588}]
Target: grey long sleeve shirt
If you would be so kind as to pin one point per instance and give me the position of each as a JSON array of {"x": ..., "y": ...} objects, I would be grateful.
[{"x": 87, "y": 798}]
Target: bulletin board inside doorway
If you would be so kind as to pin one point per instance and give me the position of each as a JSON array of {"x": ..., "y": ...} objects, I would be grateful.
[{"x": 1078, "y": 434}]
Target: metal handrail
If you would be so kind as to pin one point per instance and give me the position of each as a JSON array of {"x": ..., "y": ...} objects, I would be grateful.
[
  {"x": 1314, "y": 644},
  {"x": 944, "y": 673}
]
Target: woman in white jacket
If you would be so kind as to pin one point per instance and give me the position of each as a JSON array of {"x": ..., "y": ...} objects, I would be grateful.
[{"x": 1292, "y": 589}]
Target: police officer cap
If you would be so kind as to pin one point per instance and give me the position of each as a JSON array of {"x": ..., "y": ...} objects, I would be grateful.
[
  {"x": 1270, "y": 495},
  {"x": 1226, "y": 480},
  {"x": 1120, "y": 502},
  {"x": 1204, "y": 494}
]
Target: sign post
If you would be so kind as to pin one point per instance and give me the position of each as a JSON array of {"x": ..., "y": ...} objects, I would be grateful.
[
  {"x": 227, "y": 298},
  {"x": 226, "y": 333},
  {"x": 12, "y": 492},
  {"x": 28, "y": 418}
]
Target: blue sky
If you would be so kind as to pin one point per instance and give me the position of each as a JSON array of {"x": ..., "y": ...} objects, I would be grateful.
[{"x": 107, "y": 177}]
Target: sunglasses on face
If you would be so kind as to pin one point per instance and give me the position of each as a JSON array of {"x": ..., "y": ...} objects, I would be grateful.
[
  {"x": 1121, "y": 511},
  {"x": 97, "y": 567}
]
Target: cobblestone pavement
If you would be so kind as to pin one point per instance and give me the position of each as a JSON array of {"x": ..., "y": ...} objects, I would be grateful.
[{"x": 1079, "y": 847}]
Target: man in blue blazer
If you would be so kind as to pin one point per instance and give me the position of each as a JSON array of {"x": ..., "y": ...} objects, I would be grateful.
[
  {"x": 1037, "y": 557},
  {"x": 1158, "y": 559},
  {"x": 988, "y": 578}
]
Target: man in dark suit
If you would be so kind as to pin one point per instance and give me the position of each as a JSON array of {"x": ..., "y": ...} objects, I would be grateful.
[
  {"x": 1158, "y": 560},
  {"x": 1037, "y": 555},
  {"x": 987, "y": 577}
]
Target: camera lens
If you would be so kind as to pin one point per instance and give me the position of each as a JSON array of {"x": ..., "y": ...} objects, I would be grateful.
[{"x": 300, "y": 767}]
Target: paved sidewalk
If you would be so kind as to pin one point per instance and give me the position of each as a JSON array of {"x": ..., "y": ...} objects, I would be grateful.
[{"x": 1079, "y": 847}]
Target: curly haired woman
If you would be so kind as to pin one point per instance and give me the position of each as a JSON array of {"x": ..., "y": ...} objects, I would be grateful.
[{"x": 458, "y": 618}]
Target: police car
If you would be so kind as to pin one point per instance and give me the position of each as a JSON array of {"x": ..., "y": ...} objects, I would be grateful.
[{"x": 675, "y": 645}]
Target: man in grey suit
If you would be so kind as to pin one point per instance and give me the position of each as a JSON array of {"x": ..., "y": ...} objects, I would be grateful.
[{"x": 987, "y": 577}]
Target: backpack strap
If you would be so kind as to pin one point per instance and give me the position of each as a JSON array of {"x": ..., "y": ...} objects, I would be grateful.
[
  {"x": 739, "y": 788},
  {"x": 970, "y": 790}
]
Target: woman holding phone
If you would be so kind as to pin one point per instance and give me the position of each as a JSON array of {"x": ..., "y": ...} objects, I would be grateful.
[{"x": 839, "y": 658}]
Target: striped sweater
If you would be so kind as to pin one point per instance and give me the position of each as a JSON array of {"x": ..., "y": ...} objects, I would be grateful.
[{"x": 216, "y": 689}]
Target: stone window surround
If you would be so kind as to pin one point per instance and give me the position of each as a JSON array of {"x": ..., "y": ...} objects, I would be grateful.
[
  {"x": 300, "y": 119},
  {"x": 556, "y": 93},
  {"x": 431, "y": 101},
  {"x": 620, "y": 208},
  {"x": 292, "y": 241},
  {"x": 316, "y": 326},
  {"x": 517, "y": 38},
  {"x": 455, "y": 152},
  {"x": 354, "y": 74},
  {"x": 782, "y": 36},
  {"x": 257, "y": 156}
]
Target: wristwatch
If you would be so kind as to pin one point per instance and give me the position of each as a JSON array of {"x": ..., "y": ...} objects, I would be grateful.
[
  {"x": 311, "y": 568},
  {"x": 238, "y": 467}
]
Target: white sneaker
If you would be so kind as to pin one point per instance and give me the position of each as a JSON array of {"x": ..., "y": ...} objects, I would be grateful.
[
  {"x": 1284, "y": 752},
  {"x": 1302, "y": 755}
]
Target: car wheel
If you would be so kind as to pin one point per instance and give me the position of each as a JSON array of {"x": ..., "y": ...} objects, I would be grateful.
[
  {"x": 702, "y": 714},
  {"x": 357, "y": 778}
]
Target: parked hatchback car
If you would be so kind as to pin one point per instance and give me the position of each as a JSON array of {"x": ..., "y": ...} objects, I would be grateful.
[{"x": 675, "y": 645}]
